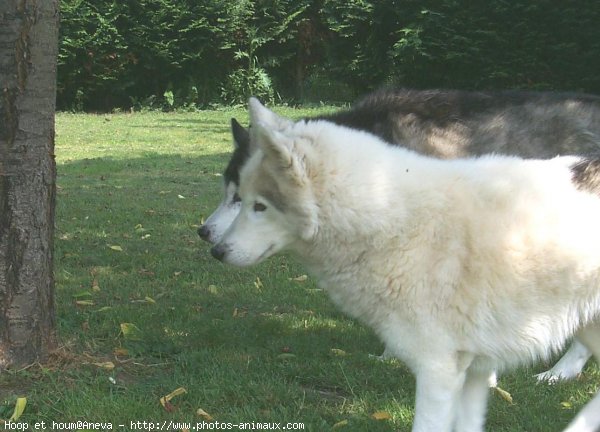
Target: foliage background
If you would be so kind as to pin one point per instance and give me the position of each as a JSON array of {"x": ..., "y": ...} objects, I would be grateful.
[{"x": 174, "y": 53}]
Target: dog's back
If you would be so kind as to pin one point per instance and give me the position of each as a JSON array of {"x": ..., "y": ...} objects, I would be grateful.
[{"x": 450, "y": 124}]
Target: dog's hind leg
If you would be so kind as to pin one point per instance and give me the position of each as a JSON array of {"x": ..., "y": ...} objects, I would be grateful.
[
  {"x": 588, "y": 419},
  {"x": 569, "y": 365},
  {"x": 472, "y": 404}
]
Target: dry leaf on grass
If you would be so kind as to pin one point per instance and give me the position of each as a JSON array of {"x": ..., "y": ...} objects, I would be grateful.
[
  {"x": 504, "y": 395},
  {"x": 381, "y": 415},
  {"x": 120, "y": 352},
  {"x": 340, "y": 424},
  {"x": 19, "y": 409},
  {"x": 108, "y": 365},
  {"x": 95, "y": 285},
  {"x": 165, "y": 401},
  {"x": 131, "y": 332},
  {"x": 84, "y": 303},
  {"x": 206, "y": 416}
]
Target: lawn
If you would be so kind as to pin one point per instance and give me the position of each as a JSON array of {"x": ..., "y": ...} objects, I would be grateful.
[{"x": 144, "y": 310}]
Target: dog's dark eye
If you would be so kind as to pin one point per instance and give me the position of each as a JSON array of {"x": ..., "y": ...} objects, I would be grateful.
[
  {"x": 236, "y": 198},
  {"x": 259, "y": 207}
]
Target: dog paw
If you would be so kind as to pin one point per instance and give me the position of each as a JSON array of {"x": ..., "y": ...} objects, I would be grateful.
[{"x": 552, "y": 377}]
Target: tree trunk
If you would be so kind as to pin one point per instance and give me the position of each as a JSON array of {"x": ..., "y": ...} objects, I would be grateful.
[{"x": 28, "y": 55}]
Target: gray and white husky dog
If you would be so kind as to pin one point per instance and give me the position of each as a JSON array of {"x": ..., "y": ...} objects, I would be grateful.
[{"x": 448, "y": 125}]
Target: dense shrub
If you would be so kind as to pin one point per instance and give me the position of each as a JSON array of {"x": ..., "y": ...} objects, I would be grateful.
[{"x": 173, "y": 53}]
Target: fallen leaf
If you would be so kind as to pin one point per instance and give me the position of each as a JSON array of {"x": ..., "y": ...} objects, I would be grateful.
[
  {"x": 131, "y": 331},
  {"x": 381, "y": 415},
  {"x": 301, "y": 278},
  {"x": 116, "y": 248},
  {"x": 95, "y": 285},
  {"x": 108, "y": 365},
  {"x": 19, "y": 408},
  {"x": 340, "y": 424},
  {"x": 239, "y": 313},
  {"x": 338, "y": 352},
  {"x": 180, "y": 197},
  {"x": 258, "y": 283},
  {"x": 84, "y": 303},
  {"x": 121, "y": 352},
  {"x": 206, "y": 416},
  {"x": 566, "y": 405},
  {"x": 504, "y": 395},
  {"x": 104, "y": 308},
  {"x": 144, "y": 300},
  {"x": 165, "y": 400}
]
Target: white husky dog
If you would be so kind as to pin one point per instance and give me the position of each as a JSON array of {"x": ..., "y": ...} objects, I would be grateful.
[
  {"x": 450, "y": 124},
  {"x": 459, "y": 266}
]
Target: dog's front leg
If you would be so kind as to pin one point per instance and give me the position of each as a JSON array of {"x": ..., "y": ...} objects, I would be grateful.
[
  {"x": 472, "y": 405},
  {"x": 438, "y": 391}
]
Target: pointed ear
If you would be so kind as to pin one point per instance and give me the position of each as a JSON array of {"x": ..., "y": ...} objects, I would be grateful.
[
  {"x": 260, "y": 114},
  {"x": 241, "y": 136},
  {"x": 275, "y": 145}
]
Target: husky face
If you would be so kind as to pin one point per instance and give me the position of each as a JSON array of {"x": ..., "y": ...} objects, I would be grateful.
[
  {"x": 219, "y": 221},
  {"x": 269, "y": 221},
  {"x": 259, "y": 231}
]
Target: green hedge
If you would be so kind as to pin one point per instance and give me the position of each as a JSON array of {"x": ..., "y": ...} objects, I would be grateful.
[{"x": 174, "y": 53}]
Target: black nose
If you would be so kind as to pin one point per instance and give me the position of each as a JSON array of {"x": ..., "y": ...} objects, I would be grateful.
[
  {"x": 204, "y": 232},
  {"x": 218, "y": 252}
]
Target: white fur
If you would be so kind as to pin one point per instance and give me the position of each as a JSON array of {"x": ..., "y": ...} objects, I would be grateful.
[
  {"x": 569, "y": 366},
  {"x": 222, "y": 218},
  {"x": 459, "y": 266}
]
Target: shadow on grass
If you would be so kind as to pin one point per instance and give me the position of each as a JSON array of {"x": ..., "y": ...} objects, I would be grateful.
[{"x": 128, "y": 256}]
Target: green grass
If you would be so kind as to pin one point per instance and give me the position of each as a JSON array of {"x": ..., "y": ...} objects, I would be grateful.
[{"x": 247, "y": 345}]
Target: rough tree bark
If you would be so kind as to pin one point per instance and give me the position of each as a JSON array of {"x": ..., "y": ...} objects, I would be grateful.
[{"x": 28, "y": 55}]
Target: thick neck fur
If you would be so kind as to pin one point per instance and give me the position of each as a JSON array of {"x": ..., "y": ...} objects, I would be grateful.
[{"x": 355, "y": 178}]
